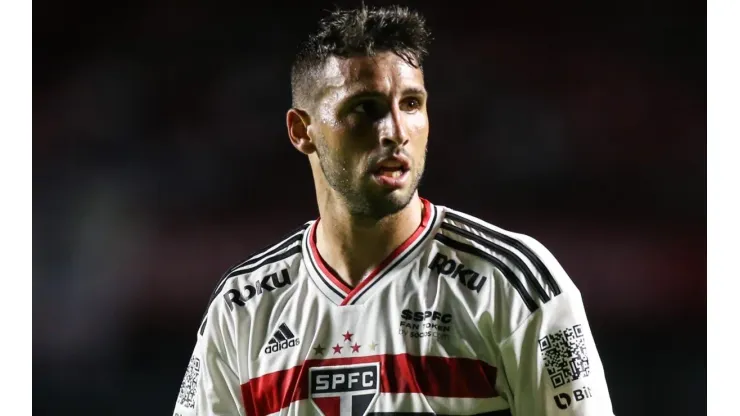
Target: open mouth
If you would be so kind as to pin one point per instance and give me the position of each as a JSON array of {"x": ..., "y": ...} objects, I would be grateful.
[{"x": 391, "y": 172}]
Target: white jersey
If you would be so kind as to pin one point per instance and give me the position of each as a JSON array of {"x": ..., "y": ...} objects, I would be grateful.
[{"x": 463, "y": 318}]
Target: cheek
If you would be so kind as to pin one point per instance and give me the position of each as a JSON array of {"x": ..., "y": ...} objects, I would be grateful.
[
  {"x": 419, "y": 129},
  {"x": 345, "y": 149}
]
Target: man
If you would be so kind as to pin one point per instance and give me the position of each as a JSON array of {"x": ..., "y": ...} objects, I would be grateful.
[{"x": 387, "y": 303}]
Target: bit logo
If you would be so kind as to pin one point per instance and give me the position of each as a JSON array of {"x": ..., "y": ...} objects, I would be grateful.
[{"x": 563, "y": 400}]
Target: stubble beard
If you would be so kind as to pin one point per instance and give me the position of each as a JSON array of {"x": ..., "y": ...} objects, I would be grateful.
[{"x": 360, "y": 201}]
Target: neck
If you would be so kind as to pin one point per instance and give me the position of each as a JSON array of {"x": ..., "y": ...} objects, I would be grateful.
[{"x": 353, "y": 246}]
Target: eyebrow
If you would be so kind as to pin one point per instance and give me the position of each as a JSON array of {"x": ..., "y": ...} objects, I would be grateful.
[
  {"x": 372, "y": 94},
  {"x": 415, "y": 91}
]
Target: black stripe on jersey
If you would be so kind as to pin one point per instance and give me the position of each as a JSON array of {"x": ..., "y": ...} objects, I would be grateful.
[
  {"x": 265, "y": 262},
  {"x": 253, "y": 260},
  {"x": 256, "y": 256},
  {"x": 420, "y": 241},
  {"x": 544, "y": 272},
  {"x": 508, "y": 273},
  {"x": 270, "y": 260},
  {"x": 205, "y": 320},
  {"x": 505, "y": 412},
  {"x": 504, "y": 252}
]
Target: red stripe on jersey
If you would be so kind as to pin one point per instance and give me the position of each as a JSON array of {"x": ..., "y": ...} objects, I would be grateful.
[
  {"x": 428, "y": 375},
  {"x": 348, "y": 290},
  {"x": 426, "y": 214},
  {"x": 325, "y": 268}
]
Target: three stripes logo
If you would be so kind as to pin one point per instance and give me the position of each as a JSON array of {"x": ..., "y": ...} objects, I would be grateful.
[{"x": 282, "y": 339}]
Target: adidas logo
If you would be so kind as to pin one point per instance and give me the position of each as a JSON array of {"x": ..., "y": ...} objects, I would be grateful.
[{"x": 282, "y": 338}]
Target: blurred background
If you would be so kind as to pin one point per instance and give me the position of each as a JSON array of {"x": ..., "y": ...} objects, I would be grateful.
[{"x": 161, "y": 159}]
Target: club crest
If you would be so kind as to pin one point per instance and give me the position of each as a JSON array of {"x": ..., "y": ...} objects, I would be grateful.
[{"x": 344, "y": 390}]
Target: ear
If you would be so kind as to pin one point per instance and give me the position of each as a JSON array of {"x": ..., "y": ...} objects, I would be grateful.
[{"x": 298, "y": 122}]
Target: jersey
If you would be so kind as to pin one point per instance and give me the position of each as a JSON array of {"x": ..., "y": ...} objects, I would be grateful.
[{"x": 463, "y": 318}]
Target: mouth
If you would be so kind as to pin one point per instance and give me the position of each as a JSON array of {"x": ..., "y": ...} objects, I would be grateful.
[{"x": 392, "y": 172}]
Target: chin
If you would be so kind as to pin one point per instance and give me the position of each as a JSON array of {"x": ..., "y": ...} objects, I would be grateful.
[
  {"x": 381, "y": 206},
  {"x": 370, "y": 201}
]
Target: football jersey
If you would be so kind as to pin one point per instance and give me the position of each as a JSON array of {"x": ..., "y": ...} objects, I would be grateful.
[{"x": 463, "y": 318}]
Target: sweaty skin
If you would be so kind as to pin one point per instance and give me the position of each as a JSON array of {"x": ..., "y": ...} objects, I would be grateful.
[{"x": 370, "y": 113}]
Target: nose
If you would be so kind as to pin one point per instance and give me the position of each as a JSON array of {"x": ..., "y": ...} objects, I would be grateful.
[{"x": 393, "y": 131}]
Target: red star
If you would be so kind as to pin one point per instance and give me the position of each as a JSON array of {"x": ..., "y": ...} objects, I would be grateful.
[
  {"x": 348, "y": 336},
  {"x": 355, "y": 348},
  {"x": 337, "y": 349}
]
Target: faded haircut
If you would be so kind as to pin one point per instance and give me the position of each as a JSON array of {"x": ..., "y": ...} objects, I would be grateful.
[{"x": 357, "y": 32}]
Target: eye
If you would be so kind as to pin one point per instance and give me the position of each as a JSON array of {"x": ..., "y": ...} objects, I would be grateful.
[
  {"x": 410, "y": 104},
  {"x": 360, "y": 108},
  {"x": 368, "y": 108},
  {"x": 364, "y": 107}
]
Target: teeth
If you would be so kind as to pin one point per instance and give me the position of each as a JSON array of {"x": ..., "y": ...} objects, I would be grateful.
[{"x": 392, "y": 173}]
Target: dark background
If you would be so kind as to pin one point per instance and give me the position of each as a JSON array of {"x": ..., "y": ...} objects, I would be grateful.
[{"x": 160, "y": 158}]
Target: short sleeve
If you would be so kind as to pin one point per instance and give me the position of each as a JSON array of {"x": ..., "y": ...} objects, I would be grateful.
[
  {"x": 550, "y": 361},
  {"x": 211, "y": 384}
]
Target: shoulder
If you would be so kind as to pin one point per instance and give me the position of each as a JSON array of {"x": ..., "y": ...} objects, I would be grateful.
[
  {"x": 277, "y": 252},
  {"x": 524, "y": 264},
  {"x": 268, "y": 269}
]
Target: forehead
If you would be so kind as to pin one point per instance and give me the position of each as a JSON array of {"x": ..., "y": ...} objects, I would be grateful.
[{"x": 385, "y": 73}]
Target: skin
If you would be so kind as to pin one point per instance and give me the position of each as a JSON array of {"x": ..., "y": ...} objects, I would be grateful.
[{"x": 367, "y": 109}]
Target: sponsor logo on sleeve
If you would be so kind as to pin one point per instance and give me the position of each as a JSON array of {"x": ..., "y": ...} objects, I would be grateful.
[
  {"x": 189, "y": 386},
  {"x": 564, "y": 355},
  {"x": 564, "y": 400},
  {"x": 265, "y": 284},
  {"x": 566, "y": 360}
]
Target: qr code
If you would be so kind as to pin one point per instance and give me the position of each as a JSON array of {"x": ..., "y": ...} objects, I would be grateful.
[
  {"x": 186, "y": 398},
  {"x": 565, "y": 357}
]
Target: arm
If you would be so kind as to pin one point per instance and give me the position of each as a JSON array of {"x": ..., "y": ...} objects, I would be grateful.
[
  {"x": 211, "y": 385},
  {"x": 550, "y": 361},
  {"x": 552, "y": 365}
]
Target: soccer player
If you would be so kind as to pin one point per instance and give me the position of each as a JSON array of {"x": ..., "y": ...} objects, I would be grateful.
[{"x": 387, "y": 303}]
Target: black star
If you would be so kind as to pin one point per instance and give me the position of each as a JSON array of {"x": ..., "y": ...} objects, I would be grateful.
[{"x": 319, "y": 350}]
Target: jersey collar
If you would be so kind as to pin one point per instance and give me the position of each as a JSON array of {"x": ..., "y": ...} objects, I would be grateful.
[{"x": 342, "y": 294}]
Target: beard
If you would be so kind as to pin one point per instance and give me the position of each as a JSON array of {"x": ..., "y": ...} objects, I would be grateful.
[{"x": 356, "y": 190}]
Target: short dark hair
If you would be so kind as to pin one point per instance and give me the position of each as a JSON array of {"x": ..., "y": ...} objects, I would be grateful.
[{"x": 358, "y": 32}]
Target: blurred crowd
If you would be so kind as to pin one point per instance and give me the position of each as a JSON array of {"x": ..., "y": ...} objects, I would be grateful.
[{"x": 161, "y": 159}]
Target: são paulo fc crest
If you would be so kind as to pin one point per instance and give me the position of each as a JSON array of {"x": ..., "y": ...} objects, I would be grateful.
[{"x": 344, "y": 390}]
